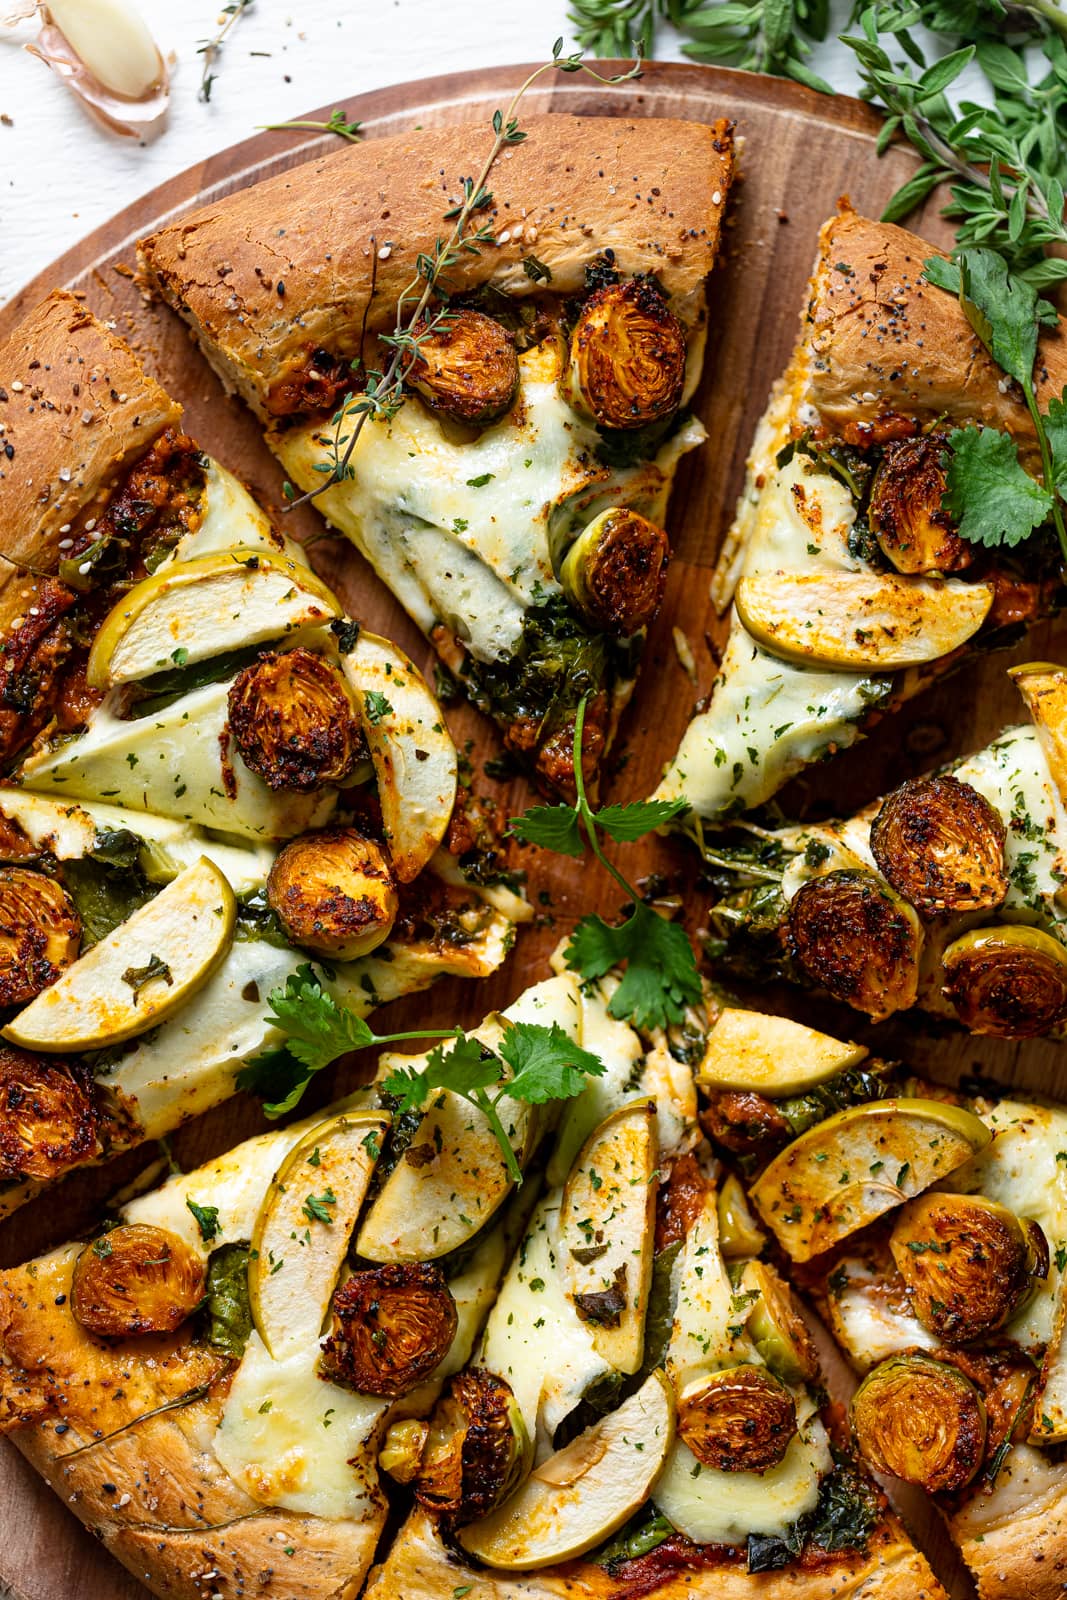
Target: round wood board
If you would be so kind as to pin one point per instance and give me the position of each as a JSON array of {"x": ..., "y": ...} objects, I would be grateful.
[{"x": 800, "y": 151}]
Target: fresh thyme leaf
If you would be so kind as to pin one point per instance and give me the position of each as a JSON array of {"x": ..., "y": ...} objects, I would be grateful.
[
  {"x": 553, "y": 827},
  {"x": 661, "y": 976},
  {"x": 207, "y": 1219},
  {"x": 991, "y": 496},
  {"x": 337, "y": 123},
  {"x": 211, "y": 49}
]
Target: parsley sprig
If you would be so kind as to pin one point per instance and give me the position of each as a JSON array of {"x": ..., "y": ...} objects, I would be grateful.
[
  {"x": 660, "y": 977},
  {"x": 531, "y": 1063}
]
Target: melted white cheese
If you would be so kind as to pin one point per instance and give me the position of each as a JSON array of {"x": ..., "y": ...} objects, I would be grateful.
[{"x": 230, "y": 518}]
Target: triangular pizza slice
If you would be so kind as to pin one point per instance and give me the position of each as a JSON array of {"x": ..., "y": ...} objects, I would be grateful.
[
  {"x": 512, "y": 495},
  {"x": 212, "y": 774},
  {"x": 946, "y": 893},
  {"x": 852, "y": 588}
]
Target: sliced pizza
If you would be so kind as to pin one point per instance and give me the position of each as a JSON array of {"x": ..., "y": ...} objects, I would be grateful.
[
  {"x": 213, "y": 774},
  {"x": 852, "y": 587},
  {"x": 931, "y": 1226},
  {"x": 643, "y": 1414},
  {"x": 514, "y": 500},
  {"x": 947, "y": 893}
]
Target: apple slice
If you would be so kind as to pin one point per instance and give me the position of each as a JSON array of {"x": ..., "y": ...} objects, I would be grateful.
[
  {"x": 146, "y": 968},
  {"x": 1043, "y": 686},
  {"x": 305, "y": 1223},
  {"x": 771, "y": 1055},
  {"x": 191, "y": 610},
  {"x": 412, "y": 751},
  {"x": 857, "y": 1165},
  {"x": 581, "y": 1495},
  {"x": 860, "y": 621},
  {"x": 607, "y": 1218}
]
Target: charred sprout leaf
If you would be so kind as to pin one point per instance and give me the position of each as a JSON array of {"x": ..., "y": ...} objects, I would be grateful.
[
  {"x": 207, "y": 1219},
  {"x": 226, "y": 1307},
  {"x": 992, "y": 498},
  {"x": 644, "y": 1532},
  {"x": 659, "y": 1318}
]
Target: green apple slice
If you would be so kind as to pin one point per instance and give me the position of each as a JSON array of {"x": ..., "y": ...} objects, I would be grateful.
[
  {"x": 305, "y": 1223},
  {"x": 771, "y": 1055},
  {"x": 1043, "y": 686},
  {"x": 581, "y": 1495},
  {"x": 191, "y": 610},
  {"x": 860, "y": 621},
  {"x": 857, "y": 1165},
  {"x": 607, "y": 1218},
  {"x": 412, "y": 751},
  {"x": 145, "y": 969}
]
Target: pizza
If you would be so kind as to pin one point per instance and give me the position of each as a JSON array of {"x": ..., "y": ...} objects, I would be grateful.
[
  {"x": 946, "y": 893},
  {"x": 929, "y": 1226},
  {"x": 514, "y": 502},
  {"x": 850, "y": 584},
  {"x": 543, "y": 1375},
  {"x": 212, "y": 775}
]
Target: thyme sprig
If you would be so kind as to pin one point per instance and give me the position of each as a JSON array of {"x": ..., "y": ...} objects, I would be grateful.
[
  {"x": 338, "y": 123},
  {"x": 422, "y": 308},
  {"x": 211, "y": 49}
]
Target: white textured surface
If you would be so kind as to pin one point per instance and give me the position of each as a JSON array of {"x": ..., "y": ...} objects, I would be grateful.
[{"x": 61, "y": 175}]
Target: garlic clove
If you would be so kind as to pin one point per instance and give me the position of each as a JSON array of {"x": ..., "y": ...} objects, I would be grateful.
[{"x": 106, "y": 56}]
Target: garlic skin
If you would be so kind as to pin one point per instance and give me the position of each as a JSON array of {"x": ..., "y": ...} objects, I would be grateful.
[{"x": 106, "y": 56}]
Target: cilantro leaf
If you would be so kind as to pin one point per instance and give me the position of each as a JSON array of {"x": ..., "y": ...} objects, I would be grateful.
[
  {"x": 554, "y": 827},
  {"x": 1056, "y": 429},
  {"x": 942, "y": 273},
  {"x": 207, "y": 1219},
  {"x": 463, "y": 1069},
  {"x": 546, "y": 1064},
  {"x": 633, "y": 821},
  {"x": 1001, "y": 308},
  {"x": 989, "y": 494},
  {"x": 317, "y": 1029},
  {"x": 277, "y": 1078},
  {"x": 661, "y": 976}
]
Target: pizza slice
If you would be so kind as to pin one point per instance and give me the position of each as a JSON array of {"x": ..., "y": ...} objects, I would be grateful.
[
  {"x": 947, "y": 893},
  {"x": 852, "y": 587},
  {"x": 931, "y": 1227},
  {"x": 213, "y": 775},
  {"x": 642, "y": 1415},
  {"x": 514, "y": 499}
]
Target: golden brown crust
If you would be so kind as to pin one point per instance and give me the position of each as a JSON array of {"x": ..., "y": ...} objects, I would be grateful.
[
  {"x": 418, "y": 1567},
  {"x": 1015, "y": 1542},
  {"x": 76, "y": 408},
  {"x": 282, "y": 269},
  {"x": 880, "y": 343},
  {"x": 154, "y": 1494}
]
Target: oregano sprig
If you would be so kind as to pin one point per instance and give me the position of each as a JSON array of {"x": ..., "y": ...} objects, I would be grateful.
[{"x": 660, "y": 977}]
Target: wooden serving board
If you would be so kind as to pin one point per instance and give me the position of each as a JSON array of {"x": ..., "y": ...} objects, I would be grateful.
[{"x": 800, "y": 151}]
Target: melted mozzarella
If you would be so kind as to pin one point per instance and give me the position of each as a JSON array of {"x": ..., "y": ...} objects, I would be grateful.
[
  {"x": 1012, "y": 773},
  {"x": 230, "y": 518}
]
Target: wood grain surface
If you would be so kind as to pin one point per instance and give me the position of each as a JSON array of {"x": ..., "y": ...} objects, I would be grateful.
[{"x": 799, "y": 152}]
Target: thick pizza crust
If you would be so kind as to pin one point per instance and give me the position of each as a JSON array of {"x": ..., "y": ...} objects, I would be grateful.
[
  {"x": 878, "y": 341},
  {"x": 154, "y": 1494},
  {"x": 1015, "y": 1541},
  {"x": 277, "y": 271},
  {"x": 419, "y": 1567},
  {"x": 77, "y": 408}
]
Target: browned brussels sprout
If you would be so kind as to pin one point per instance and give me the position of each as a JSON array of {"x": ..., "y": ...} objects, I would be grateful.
[
  {"x": 401, "y": 1452},
  {"x": 136, "y": 1279},
  {"x": 615, "y": 572},
  {"x": 392, "y": 1326},
  {"x": 466, "y": 367},
  {"x": 1008, "y": 981},
  {"x": 333, "y": 892},
  {"x": 941, "y": 845},
  {"x": 478, "y": 1449},
  {"x": 738, "y": 1420},
  {"x": 905, "y": 512},
  {"x": 295, "y": 722},
  {"x": 859, "y": 940},
  {"x": 968, "y": 1262},
  {"x": 775, "y": 1326},
  {"x": 40, "y": 933},
  {"x": 921, "y": 1420},
  {"x": 48, "y": 1115},
  {"x": 628, "y": 355}
]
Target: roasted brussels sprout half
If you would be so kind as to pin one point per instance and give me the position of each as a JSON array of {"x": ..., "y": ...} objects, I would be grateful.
[
  {"x": 905, "y": 513},
  {"x": 392, "y": 1326},
  {"x": 941, "y": 845},
  {"x": 921, "y": 1420},
  {"x": 968, "y": 1262},
  {"x": 740, "y": 1234},
  {"x": 628, "y": 355},
  {"x": 401, "y": 1452},
  {"x": 466, "y": 367},
  {"x": 615, "y": 572},
  {"x": 859, "y": 940},
  {"x": 40, "y": 933},
  {"x": 1008, "y": 981},
  {"x": 136, "y": 1279},
  {"x": 294, "y": 721},
  {"x": 48, "y": 1115},
  {"x": 333, "y": 892},
  {"x": 775, "y": 1326},
  {"x": 478, "y": 1449},
  {"x": 738, "y": 1420}
]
